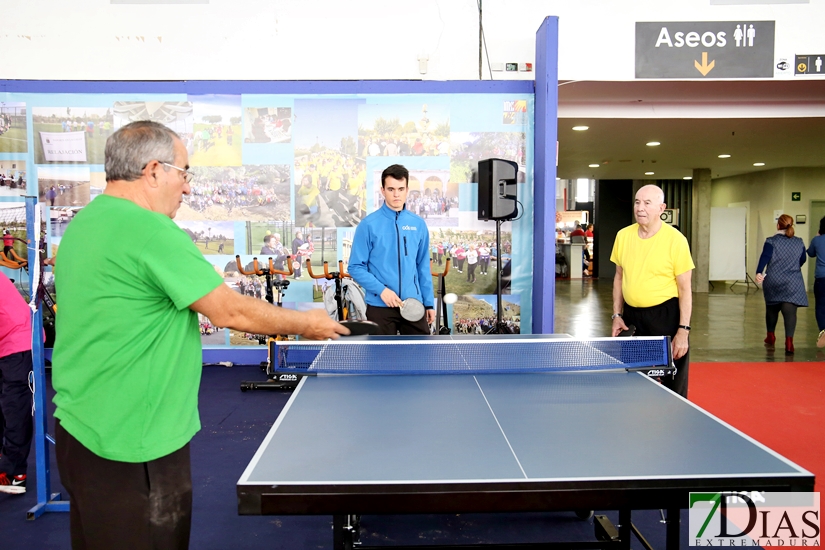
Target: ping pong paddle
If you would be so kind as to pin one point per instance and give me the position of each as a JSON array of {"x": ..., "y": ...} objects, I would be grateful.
[
  {"x": 412, "y": 310},
  {"x": 360, "y": 328},
  {"x": 631, "y": 330}
]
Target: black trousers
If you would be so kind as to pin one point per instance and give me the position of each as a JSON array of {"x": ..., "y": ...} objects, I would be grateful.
[
  {"x": 143, "y": 505},
  {"x": 819, "y": 297},
  {"x": 661, "y": 320},
  {"x": 390, "y": 322},
  {"x": 16, "y": 427}
]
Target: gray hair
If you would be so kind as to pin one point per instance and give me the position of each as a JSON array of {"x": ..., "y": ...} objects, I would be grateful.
[{"x": 135, "y": 145}]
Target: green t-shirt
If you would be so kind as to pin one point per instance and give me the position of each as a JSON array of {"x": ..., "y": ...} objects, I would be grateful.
[{"x": 127, "y": 358}]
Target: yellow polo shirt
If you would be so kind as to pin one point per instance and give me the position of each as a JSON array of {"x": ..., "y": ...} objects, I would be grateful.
[{"x": 650, "y": 266}]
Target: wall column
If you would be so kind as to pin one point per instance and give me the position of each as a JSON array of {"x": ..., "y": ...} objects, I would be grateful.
[
  {"x": 544, "y": 176},
  {"x": 700, "y": 236}
]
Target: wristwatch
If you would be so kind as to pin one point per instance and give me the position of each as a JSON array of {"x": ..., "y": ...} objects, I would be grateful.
[
  {"x": 686, "y": 327},
  {"x": 615, "y": 315}
]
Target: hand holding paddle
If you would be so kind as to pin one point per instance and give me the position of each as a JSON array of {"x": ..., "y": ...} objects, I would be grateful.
[
  {"x": 319, "y": 326},
  {"x": 391, "y": 298},
  {"x": 413, "y": 310},
  {"x": 361, "y": 328},
  {"x": 631, "y": 330}
]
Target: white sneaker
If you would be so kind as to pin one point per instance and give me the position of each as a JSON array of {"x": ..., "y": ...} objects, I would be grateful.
[
  {"x": 14, "y": 485},
  {"x": 820, "y": 342}
]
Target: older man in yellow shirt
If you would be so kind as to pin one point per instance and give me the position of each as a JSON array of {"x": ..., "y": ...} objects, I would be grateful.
[{"x": 651, "y": 289}]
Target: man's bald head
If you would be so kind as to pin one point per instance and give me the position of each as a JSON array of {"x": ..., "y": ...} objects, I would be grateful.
[
  {"x": 654, "y": 192},
  {"x": 648, "y": 207}
]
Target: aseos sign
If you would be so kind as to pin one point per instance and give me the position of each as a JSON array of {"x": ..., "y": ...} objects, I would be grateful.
[{"x": 710, "y": 49}]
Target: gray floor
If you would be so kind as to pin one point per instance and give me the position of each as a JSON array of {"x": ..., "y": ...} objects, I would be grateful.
[{"x": 727, "y": 324}]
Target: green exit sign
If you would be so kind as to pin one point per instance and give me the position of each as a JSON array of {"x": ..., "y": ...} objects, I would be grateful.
[{"x": 796, "y": 196}]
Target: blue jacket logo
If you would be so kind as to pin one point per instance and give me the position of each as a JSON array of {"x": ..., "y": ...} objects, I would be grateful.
[{"x": 409, "y": 228}]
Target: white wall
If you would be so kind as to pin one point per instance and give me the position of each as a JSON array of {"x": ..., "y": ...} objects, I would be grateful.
[
  {"x": 362, "y": 39},
  {"x": 766, "y": 192},
  {"x": 6, "y": 166}
]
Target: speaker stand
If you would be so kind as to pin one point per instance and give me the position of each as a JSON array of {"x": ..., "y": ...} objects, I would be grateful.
[{"x": 499, "y": 327}]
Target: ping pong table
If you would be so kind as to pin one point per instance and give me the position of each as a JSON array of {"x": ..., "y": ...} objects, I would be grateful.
[{"x": 495, "y": 440}]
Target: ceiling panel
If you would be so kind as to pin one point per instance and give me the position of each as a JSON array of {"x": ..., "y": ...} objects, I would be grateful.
[{"x": 617, "y": 145}]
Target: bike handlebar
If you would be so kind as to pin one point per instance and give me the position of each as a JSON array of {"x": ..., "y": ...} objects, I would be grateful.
[
  {"x": 446, "y": 269},
  {"x": 266, "y": 271}
]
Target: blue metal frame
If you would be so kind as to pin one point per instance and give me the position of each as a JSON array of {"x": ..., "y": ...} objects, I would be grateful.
[
  {"x": 545, "y": 88},
  {"x": 289, "y": 87},
  {"x": 46, "y": 500},
  {"x": 238, "y": 356},
  {"x": 544, "y": 178}
]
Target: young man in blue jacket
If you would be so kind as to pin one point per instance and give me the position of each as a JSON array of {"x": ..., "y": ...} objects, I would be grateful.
[{"x": 390, "y": 259}]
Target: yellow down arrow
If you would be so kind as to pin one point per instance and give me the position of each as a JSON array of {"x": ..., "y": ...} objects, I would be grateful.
[{"x": 704, "y": 68}]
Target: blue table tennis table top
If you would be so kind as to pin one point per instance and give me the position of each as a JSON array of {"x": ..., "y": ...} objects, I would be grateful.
[{"x": 356, "y": 436}]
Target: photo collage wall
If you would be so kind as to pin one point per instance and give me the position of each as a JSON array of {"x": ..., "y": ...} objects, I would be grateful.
[{"x": 279, "y": 175}]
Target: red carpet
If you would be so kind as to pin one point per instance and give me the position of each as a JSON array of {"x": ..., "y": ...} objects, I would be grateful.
[{"x": 781, "y": 405}]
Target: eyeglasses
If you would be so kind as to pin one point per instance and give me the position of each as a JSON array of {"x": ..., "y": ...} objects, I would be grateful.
[{"x": 187, "y": 175}]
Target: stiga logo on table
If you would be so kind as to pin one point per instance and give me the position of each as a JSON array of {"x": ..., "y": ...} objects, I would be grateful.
[{"x": 754, "y": 519}]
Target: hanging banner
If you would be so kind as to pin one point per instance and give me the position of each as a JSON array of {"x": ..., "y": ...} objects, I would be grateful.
[
  {"x": 64, "y": 146},
  {"x": 289, "y": 177}
]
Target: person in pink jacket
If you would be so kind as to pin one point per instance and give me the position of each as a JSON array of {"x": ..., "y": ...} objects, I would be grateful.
[{"x": 15, "y": 396}]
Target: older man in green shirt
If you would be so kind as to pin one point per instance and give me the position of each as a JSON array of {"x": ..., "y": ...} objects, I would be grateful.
[{"x": 127, "y": 359}]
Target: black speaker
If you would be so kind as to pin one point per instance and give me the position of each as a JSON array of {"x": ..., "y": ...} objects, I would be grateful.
[{"x": 497, "y": 189}]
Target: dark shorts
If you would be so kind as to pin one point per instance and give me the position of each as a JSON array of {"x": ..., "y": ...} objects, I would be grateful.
[
  {"x": 661, "y": 320},
  {"x": 390, "y": 322}
]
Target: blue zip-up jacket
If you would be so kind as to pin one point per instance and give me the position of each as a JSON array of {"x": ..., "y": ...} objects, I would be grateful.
[
  {"x": 817, "y": 250},
  {"x": 392, "y": 250}
]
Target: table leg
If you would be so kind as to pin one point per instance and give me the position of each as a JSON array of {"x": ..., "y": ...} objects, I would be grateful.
[
  {"x": 624, "y": 528},
  {"x": 345, "y": 531},
  {"x": 340, "y": 534},
  {"x": 355, "y": 529},
  {"x": 673, "y": 528}
]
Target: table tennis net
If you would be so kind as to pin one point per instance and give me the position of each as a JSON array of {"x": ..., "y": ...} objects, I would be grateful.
[{"x": 477, "y": 357}]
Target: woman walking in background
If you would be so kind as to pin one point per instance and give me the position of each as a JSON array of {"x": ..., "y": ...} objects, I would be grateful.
[
  {"x": 783, "y": 286},
  {"x": 817, "y": 250}
]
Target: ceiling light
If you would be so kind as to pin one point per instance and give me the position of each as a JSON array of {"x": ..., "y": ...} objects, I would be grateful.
[
  {"x": 724, "y": 156},
  {"x": 593, "y": 165},
  {"x": 652, "y": 143},
  {"x": 581, "y": 128},
  {"x": 759, "y": 164},
  {"x": 687, "y": 178},
  {"x": 649, "y": 173}
]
